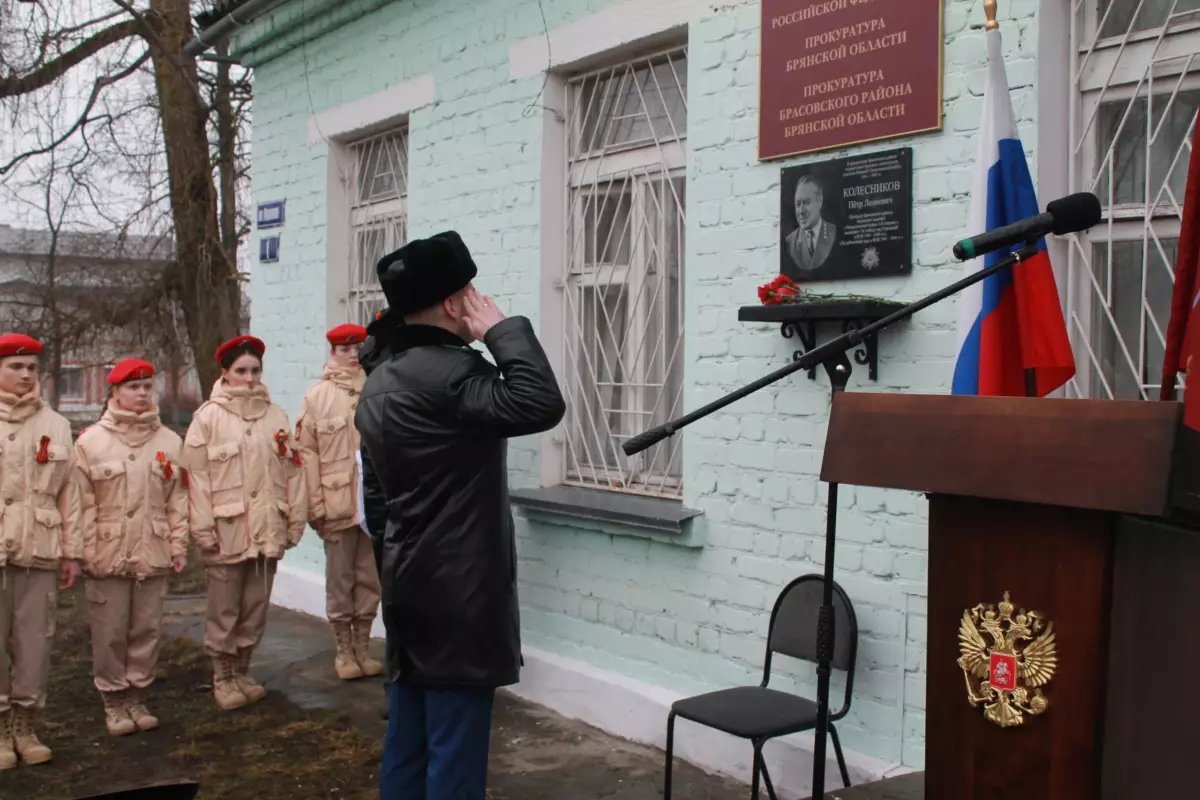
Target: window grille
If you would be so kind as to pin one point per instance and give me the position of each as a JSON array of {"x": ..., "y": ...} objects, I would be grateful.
[
  {"x": 623, "y": 271},
  {"x": 378, "y": 215},
  {"x": 1136, "y": 81}
]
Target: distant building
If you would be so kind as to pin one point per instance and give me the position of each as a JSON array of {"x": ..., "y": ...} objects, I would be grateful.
[{"x": 93, "y": 299}]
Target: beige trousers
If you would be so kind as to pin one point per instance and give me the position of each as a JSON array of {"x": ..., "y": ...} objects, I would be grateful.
[
  {"x": 126, "y": 619},
  {"x": 238, "y": 598},
  {"x": 351, "y": 580},
  {"x": 27, "y": 605}
]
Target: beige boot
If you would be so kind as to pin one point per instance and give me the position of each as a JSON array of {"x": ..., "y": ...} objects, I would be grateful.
[
  {"x": 135, "y": 706},
  {"x": 116, "y": 718},
  {"x": 362, "y": 639},
  {"x": 28, "y": 747},
  {"x": 251, "y": 688},
  {"x": 8, "y": 756},
  {"x": 345, "y": 663},
  {"x": 225, "y": 687}
]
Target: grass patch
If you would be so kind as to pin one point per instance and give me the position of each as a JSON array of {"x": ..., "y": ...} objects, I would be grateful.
[{"x": 272, "y": 749}]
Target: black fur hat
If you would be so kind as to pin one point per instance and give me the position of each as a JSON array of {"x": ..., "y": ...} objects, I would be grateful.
[{"x": 425, "y": 272}]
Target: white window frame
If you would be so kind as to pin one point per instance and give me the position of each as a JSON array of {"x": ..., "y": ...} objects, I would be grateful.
[
  {"x": 1103, "y": 70},
  {"x": 339, "y": 129},
  {"x": 73, "y": 399},
  {"x": 635, "y": 169},
  {"x": 385, "y": 216}
]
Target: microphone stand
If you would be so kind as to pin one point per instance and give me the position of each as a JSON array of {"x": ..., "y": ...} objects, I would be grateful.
[{"x": 832, "y": 357}]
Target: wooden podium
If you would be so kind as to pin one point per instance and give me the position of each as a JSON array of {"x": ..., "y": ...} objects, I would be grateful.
[{"x": 1071, "y": 507}]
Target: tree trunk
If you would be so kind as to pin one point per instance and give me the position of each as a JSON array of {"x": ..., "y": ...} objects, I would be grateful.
[
  {"x": 226, "y": 155},
  {"x": 205, "y": 275}
]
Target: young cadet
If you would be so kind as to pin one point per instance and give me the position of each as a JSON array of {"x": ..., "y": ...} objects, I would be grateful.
[
  {"x": 135, "y": 528},
  {"x": 39, "y": 544},
  {"x": 246, "y": 503},
  {"x": 329, "y": 445}
]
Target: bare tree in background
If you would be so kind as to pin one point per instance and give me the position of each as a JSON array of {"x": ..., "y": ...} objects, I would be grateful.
[
  {"x": 141, "y": 104},
  {"x": 91, "y": 296}
]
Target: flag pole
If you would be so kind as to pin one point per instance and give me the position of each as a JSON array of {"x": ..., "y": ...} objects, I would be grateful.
[{"x": 989, "y": 8}]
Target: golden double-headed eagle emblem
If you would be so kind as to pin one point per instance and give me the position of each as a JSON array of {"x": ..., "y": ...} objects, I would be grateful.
[{"x": 1011, "y": 670}]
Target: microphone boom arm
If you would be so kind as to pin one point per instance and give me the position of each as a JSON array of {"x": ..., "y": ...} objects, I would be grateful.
[{"x": 821, "y": 353}]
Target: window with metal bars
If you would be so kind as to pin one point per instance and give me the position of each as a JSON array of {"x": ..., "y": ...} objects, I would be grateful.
[
  {"x": 378, "y": 194},
  {"x": 1136, "y": 78},
  {"x": 623, "y": 271}
]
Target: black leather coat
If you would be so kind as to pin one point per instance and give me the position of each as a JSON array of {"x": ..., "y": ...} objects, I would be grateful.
[
  {"x": 376, "y": 350},
  {"x": 434, "y": 420}
]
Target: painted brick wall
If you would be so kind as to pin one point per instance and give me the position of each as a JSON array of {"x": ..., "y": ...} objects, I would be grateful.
[{"x": 686, "y": 618}]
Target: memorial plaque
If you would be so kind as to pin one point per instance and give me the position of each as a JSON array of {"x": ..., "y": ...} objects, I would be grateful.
[
  {"x": 847, "y": 217},
  {"x": 840, "y": 72}
]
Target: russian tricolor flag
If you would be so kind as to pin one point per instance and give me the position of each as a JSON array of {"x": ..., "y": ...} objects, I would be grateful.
[{"x": 1012, "y": 338}]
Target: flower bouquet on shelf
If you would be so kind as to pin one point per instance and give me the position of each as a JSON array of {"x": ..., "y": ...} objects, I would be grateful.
[{"x": 778, "y": 292}]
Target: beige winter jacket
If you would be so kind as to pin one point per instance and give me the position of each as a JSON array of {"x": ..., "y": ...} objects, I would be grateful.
[
  {"x": 246, "y": 494},
  {"x": 328, "y": 442},
  {"x": 135, "y": 507},
  {"x": 39, "y": 512}
]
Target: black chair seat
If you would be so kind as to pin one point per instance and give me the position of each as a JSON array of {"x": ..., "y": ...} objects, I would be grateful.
[
  {"x": 758, "y": 713},
  {"x": 750, "y": 712}
]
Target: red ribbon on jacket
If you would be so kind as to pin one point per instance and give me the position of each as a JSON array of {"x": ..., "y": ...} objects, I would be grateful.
[
  {"x": 43, "y": 453},
  {"x": 296, "y": 460},
  {"x": 167, "y": 470},
  {"x": 281, "y": 439},
  {"x": 183, "y": 479}
]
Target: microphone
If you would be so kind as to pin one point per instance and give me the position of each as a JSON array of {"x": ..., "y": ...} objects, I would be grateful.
[{"x": 1070, "y": 214}]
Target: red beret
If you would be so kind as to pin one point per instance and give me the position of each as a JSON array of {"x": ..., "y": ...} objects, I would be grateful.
[
  {"x": 347, "y": 334},
  {"x": 18, "y": 344},
  {"x": 256, "y": 346},
  {"x": 131, "y": 369}
]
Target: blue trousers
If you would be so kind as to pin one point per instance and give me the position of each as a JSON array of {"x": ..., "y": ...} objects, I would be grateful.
[{"x": 437, "y": 744}]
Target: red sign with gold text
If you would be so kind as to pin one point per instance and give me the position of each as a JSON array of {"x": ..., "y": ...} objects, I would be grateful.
[{"x": 842, "y": 72}]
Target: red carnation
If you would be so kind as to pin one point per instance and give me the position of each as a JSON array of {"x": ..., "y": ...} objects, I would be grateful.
[
  {"x": 779, "y": 291},
  {"x": 167, "y": 470}
]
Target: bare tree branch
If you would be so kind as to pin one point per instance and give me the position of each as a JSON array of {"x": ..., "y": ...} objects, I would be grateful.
[
  {"x": 14, "y": 85},
  {"x": 83, "y": 119}
]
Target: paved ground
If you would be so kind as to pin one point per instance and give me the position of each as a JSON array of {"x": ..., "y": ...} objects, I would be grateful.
[
  {"x": 536, "y": 754},
  {"x": 907, "y": 787}
]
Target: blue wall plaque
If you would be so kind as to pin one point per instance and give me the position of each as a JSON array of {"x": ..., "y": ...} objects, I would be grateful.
[
  {"x": 268, "y": 249},
  {"x": 270, "y": 215}
]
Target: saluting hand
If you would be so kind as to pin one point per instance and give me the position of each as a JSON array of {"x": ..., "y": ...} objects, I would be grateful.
[{"x": 481, "y": 313}]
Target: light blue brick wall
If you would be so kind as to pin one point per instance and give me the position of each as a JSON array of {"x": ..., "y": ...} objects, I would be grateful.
[{"x": 687, "y": 618}]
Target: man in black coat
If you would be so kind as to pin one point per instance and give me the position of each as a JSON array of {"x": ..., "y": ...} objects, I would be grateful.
[
  {"x": 376, "y": 350},
  {"x": 435, "y": 419}
]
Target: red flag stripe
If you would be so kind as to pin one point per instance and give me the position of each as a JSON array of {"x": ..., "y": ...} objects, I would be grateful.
[{"x": 1186, "y": 280}]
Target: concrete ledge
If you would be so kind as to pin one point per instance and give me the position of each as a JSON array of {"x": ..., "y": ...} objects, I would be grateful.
[
  {"x": 364, "y": 115},
  {"x": 638, "y": 511},
  {"x": 304, "y": 591},
  {"x": 638, "y": 711},
  {"x": 634, "y": 23}
]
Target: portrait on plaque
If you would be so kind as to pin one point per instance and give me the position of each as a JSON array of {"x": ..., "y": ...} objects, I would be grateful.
[{"x": 847, "y": 217}]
